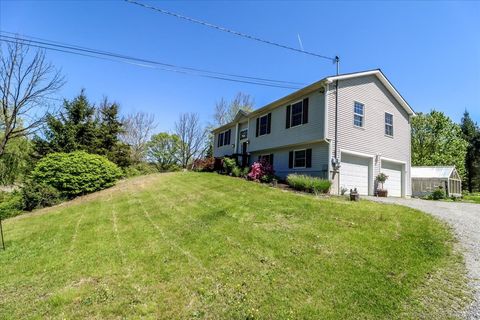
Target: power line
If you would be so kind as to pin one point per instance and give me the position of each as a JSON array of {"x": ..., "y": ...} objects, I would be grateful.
[
  {"x": 151, "y": 61},
  {"x": 237, "y": 33},
  {"x": 93, "y": 53}
]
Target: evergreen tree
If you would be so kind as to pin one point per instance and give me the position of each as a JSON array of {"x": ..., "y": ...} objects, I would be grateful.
[
  {"x": 471, "y": 134},
  {"x": 82, "y": 126}
]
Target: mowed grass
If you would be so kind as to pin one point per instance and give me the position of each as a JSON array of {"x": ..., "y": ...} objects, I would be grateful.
[{"x": 198, "y": 245}]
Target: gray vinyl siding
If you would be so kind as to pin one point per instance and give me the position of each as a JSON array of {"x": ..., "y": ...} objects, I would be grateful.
[
  {"x": 280, "y": 160},
  {"x": 281, "y": 136},
  {"x": 370, "y": 139},
  {"x": 224, "y": 150}
]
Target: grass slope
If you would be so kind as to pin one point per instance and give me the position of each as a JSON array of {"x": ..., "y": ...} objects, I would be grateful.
[{"x": 192, "y": 245}]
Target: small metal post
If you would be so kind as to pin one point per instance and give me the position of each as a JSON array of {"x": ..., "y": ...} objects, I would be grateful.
[{"x": 1, "y": 233}]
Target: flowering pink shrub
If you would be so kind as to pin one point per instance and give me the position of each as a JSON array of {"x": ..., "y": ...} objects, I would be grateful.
[{"x": 261, "y": 171}]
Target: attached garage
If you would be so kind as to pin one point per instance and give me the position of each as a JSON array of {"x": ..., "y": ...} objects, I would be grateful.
[
  {"x": 355, "y": 172},
  {"x": 394, "y": 171}
]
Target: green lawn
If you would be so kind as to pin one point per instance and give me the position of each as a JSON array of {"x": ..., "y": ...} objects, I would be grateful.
[
  {"x": 193, "y": 245},
  {"x": 472, "y": 197}
]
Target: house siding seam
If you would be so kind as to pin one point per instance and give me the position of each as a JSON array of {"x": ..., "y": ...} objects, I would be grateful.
[
  {"x": 225, "y": 150},
  {"x": 371, "y": 138},
  {"x": 281, "y": 136},
  {"x": 320, "y": 156}
]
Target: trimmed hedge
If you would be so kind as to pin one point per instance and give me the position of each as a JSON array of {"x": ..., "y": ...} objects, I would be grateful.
[
  {"x": 76, "y": 173},
  {"x": 308, "y": 183}
]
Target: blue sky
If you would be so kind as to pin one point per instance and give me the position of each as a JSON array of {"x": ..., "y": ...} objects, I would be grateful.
[{"x": 429, "y": 50}]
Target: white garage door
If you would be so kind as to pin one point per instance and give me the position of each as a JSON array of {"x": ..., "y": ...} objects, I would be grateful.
[
  {"x": 394, "y": 181},
  {"x": 354, "y": 173}
]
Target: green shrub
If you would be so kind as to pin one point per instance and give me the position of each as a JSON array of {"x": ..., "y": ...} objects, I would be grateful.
[
  {"x": 229, "y": 164},
  {"x": 438, "y": 194},
  {"x": 37, "y": 195},
  {"x": 10, "y": 204},
  {"x": 76, "y": 173},
  {"x": 140, "y": 169},
  {"x": 236, "y": 171},
  {"x": 308, "y": 183}
]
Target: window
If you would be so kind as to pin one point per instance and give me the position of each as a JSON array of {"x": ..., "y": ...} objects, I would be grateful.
[
  {"x": 224, "y": 138},
  {"x": 389, "y": 124},
  {"x": 264, "y": 125},
  {"x": 300, "y": 157},
  {"x": 358, "y": 114},
  {"x": 267, "y": 157},
  {"x": 220, "y": 139},
  {"x": 227, "y": 137},
  {"x": 297, "y": 114}
]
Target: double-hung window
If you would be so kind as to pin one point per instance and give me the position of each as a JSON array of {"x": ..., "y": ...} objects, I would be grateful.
[
  {"x": 224, "y": 138},
  {"x": 300, "y": 158},
  {"x": 220, "y": 139},
  {"x": 264, "y": 124},
  {"x": 297, "y": 113},
  {"x": 389, "y": 124},
  {"x": 358, "y": 114}
]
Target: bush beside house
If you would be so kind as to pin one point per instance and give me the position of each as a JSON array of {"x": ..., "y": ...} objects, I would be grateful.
[{"x": 308, "y": 183}]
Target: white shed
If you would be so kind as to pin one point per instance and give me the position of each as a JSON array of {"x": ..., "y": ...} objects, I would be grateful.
[{"x": 426, "y": 179}]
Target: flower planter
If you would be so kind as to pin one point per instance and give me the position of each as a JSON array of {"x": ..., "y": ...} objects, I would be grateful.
[
  {"x": 354, "y": 196},
  {"x": 382, "y": 193}
]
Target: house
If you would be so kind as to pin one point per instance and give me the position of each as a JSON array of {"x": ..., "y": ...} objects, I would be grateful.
[
  {"x": 426, "y": 179},
  {"x": 308, "y": 132}
]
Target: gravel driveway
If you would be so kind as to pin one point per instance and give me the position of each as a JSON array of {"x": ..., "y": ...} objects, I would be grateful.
[{"x": 465, "y": 219}]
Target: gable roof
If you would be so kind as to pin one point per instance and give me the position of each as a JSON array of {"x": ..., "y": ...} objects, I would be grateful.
[
  {"x": 322, "y": 83},
  {"x": 383, "y": 79},
  {"x": 432, "y": 171}
]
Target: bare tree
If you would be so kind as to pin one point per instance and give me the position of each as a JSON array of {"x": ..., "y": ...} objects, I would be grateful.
[
  {"x": 192, "y": 138},
  {"x": 226, "y": 111},
  {"x": 137, "y": 128},
  {"x": 26, "y": 81}
]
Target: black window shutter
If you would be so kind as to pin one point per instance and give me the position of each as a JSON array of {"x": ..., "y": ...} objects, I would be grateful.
[
  {"x": 227, "y": 137},
  {"x": 290, "y": 159},
  {"x": 271, "y": 159},
  {"x": 218, "y": 140},
  {"x": 259, "y": 158},
  {"x": 258, "y": 127},
  {"x": 269, "y": 123},
  {"x": 308, "y": 160},
  {"x": 287, "y": 117},
  {"x": 305, "y": 110}
]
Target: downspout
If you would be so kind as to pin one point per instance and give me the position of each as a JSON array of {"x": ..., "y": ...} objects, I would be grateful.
[
  {"x": 337, "y": 61},
  {"x": 337, "y": 163}
]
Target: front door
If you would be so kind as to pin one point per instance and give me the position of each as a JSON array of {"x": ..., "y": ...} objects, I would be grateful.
[{"x": 244, "y": 155}]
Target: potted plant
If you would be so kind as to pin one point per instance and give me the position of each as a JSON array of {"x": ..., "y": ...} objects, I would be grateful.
[{"x": 381, "y": 178}]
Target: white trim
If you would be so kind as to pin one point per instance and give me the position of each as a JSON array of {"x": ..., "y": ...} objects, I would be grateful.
[
  {"x": 260, "y": 125},
  {"x": 305, "y": 166},
  {"x": 325, "y": 109},
  {"x": 391, "y": 160},
  {"x": 291, "y": 115},
  {"x": 403, "y": 172},
  {"x": 317, "y": 85},
  {"x": 371, "y": 166},
  {"x": 358, "y": 114},
  {"x": 379, "y": 74},
  {"x": 385, "y": 124},
  {"x": 360, "y": 154}
]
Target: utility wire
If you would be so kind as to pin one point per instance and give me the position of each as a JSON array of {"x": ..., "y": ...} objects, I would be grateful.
[
  {"x": 93, "y": 53},
  {"x": 220, "y": 28},
  {"x": 151, "y": 61}
]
